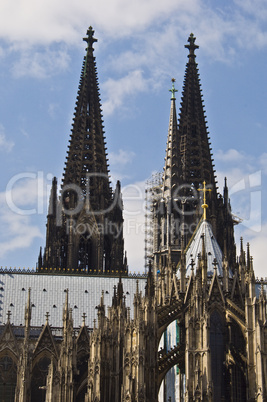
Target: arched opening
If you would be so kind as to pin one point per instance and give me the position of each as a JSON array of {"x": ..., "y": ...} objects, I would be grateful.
[
  {"x": 237, "y": 369},
  {"x": 85, "y": 253},
  {"x": 8, "y": 378},
  {"x": 217, "y": 343},
  {"x": 38, "y": 381},
  {"x": 81, "y": 379},
  {"x": 171, "y": 381}
]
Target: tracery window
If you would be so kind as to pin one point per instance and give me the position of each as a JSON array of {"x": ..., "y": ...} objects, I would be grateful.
[
  {"x": 39, "y": 377},
  {"x": 217, "y": 354},
  {"x": 8, "y": 379}
]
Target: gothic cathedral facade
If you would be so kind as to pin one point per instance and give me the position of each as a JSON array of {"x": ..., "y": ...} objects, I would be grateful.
[{"x": 81, "y": 328}]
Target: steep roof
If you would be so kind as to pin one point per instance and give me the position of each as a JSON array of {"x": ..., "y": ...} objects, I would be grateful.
[
  {"x": 48, "y": 295},
  {"x": 212, "y": 249}
]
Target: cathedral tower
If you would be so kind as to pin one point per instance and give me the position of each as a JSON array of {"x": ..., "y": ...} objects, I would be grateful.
[
  {"x": 85, "y": 224},
  {"x": 188, "y": 164}
]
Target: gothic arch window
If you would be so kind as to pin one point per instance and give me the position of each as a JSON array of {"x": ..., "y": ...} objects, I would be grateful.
[
  {"x": 85, "y": 253},
  {"x": 237, "y": 338},
  {"x": 38, "y": 381},
  {"x": 238, "y": 384},
  {"x": 81, "y": 380},
  {"x": 8, "y": 378},
  {"x": 238, "y": 346},
  {"x": 217, "y": 343}
]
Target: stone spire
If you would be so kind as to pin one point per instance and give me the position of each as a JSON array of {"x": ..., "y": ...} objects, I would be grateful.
[
  {"x": 195, "y": 152},
  {"x": 171, "y": 173},
  {"x": 86, "y": 164},
  {"x": 196, "y": 162},
  {"x": 84, "y": 226}
]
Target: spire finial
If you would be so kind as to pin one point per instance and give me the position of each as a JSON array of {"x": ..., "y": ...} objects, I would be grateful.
[
  {"x": 204, "y": 205},
  {"x": 47, "y": 316},
  {"x": 191, "y": 47},
  {"x": 173, "y": 90},
  {"x": 215, "y": 263},
  {"x": 84, "y": 317},
  {"x": 90, "y": 37},
  {"x": 8, "y": 316}
]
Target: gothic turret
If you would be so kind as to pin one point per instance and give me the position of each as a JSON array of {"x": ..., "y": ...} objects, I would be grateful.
[{"x": 84, "y": 225}]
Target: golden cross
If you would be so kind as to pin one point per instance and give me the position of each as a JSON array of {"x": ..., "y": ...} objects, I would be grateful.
[{"x": 204, "y": 205}]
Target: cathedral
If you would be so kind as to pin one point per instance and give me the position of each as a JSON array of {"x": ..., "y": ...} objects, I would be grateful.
[{"x": 81, "y": 328}]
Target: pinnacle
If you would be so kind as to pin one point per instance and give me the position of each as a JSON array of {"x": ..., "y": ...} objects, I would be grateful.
[
  {"x": 191, "y": 47},
  {"x": 90, "y": 37}
]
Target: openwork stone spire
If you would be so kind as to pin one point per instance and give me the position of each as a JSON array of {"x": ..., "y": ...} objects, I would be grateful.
[
  {"x": 195, "y": 152},
  {"x": 84, "y": 225},
  {"x": 86, "y": 164}
]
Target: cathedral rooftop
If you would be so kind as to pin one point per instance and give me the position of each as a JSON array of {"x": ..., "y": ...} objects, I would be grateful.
[
  {"x": 213, "y": 251},
  {"x": 48, "y": 293}
]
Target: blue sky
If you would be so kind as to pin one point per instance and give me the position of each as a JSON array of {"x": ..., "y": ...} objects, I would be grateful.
[{"x": 140, "y": 48}]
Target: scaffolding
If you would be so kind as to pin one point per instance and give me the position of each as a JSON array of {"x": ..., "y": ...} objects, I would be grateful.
[{"x": 153, "y": 192}]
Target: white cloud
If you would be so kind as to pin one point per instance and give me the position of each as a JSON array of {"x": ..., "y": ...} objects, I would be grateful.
[
  {"x": 231, "y": 155},
  {"x": 121, "y": 157},
  {"x": 53, "y": 109},
  {"x": 149, "y": 24},
  {"x": 5, "y": 144},
  {"x": 24, "y": 199},
  {"x": 41, "y": 64},
  {"x": 258, "y": 243},
  {"x": 19, "y": 232},
  {"x": 46, "y": 21},
  {"x": 134, "y": 224},
  {"x": 117, "y": 90}
]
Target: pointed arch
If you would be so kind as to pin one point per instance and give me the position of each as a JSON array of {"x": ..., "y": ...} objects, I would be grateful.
[
  {"x": 237, "y": 359},
  {"x": 81, "y": 379},
  {"x": 8, "y": 376},
  {"x": 217, "y": 346},
  {"x": 39, "y": 376}
]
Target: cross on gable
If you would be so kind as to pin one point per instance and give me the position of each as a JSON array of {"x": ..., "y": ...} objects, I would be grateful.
[
  {"x": 204, "y": 205},
  {"x": 84, "y": 317},
  {"x": 8, "y": 315},
  {"x": 47, "y": 316}
]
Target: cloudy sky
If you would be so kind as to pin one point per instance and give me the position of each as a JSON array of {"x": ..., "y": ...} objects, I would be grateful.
[{"x": 140, "y": 48}]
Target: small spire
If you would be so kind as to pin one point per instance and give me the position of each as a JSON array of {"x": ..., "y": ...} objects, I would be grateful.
[
  {"x": 204, "y": 205},
  {"x": 8, "y": 316},
  {"x": 203, "y": 245},
  {"x": 114, "y": 298},
  {"x": 66, "y": 305},
  {"x": 248, "y": 257},
  {"x": 137, "y": 287},
  {"x": 192, "y": 264},
  {"x": 102, "y": 299},
  {"x": 215, "y": 263},
  {"x": 225, "y": 192},
  {"x": 83, "y": 317},
  {"x": 173, "y": 90},
  {"x": 191, "y": 47},
  {"x": 47, "y": 317}
]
